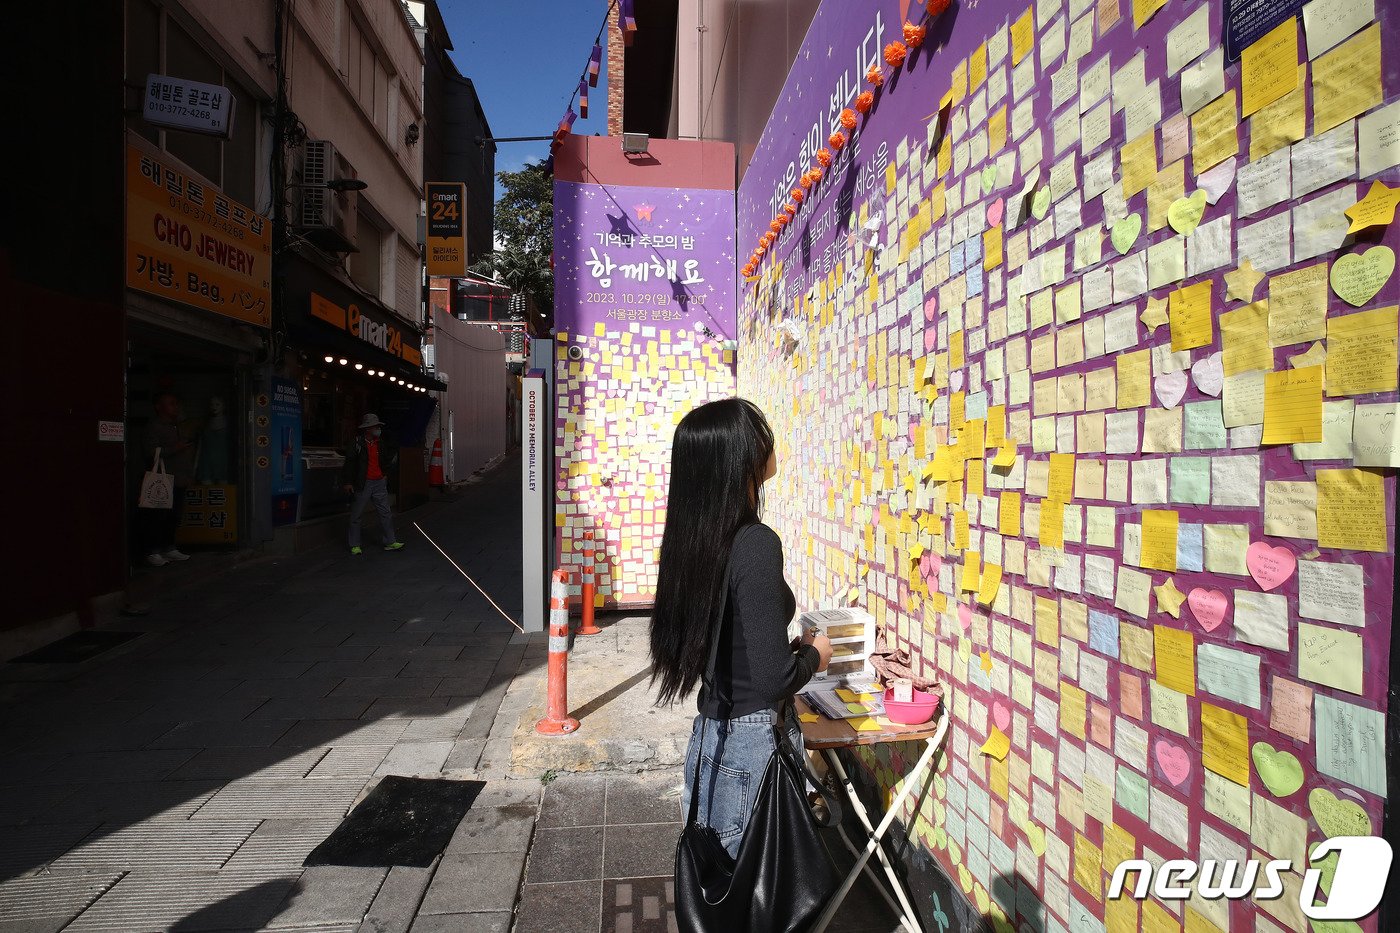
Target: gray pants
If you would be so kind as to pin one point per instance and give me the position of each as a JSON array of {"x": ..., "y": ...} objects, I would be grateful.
[{"x": 377, "y": 490}]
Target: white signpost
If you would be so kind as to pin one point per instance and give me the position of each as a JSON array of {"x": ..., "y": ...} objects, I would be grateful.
[
  {"x": 536, "y": 502},
  {"x": 194, "y": 106}
]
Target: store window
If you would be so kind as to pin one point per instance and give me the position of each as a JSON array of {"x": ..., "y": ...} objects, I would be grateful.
[
  {"x": 158, "y": 44},
  {"x": 365, "y": 265}
]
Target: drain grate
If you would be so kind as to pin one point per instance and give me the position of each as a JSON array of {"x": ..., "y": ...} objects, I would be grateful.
[{"x": 403, "y": 821}]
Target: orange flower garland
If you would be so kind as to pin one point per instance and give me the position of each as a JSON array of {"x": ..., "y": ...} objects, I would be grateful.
[
  {"x": 935, "y": 7},
  {"x": 914, "y": 35},
  {"x": 895, "y": 53},
  {"x": 864, "y": 101},
  {"x": 837, "y": 140},
  {"x": 875, "y": 76},
  {"x": 848, "y": 118},
  {"x": 815, "y": 174},
  {"x": 824, "y": 157},
  {"x": 797, "y": 195}
]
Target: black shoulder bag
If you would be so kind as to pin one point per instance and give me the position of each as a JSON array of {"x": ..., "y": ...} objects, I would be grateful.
[{"x": 783, "y": 876}]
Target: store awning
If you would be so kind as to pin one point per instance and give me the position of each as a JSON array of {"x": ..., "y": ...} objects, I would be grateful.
[{"x": 320, "y": 341}]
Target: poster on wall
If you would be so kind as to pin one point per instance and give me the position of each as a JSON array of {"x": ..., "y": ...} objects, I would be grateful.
[
  {"x": 1087, "y": 338},
  {"x": 285, "y": 413},
  {"x": 644, "y": 319}
]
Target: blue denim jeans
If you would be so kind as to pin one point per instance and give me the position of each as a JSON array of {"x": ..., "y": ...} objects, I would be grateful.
[{"x": 734, "y": 757}]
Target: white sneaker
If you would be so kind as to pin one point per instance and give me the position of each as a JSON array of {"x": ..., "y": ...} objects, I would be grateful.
[
  {"x": 155, "y": 560},
  {"x": 176, "y": 554}
]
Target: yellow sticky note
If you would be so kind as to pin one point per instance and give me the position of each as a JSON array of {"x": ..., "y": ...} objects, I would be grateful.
[
  {"x": 1052, "y": 523},
  {"x": 1347, "y": 80},
  {"x": 1293, "y": 406},
  {"x": 977, "y": 68},
  {"x": 1188, "y": 312},
  {"x": 847, "y": 696},
  {"x": 1225, "y": 743},
  {"x": 1139, "y": 163},
  {"x": 1351, "y": 511},
  {"x": 1009, "y": 515},
  {"x": 1073, "y": 709},
  {"x": 807, "y": 717},
  {"x": 1361, "y": 352},
  {"x": 865, "y": 724},
  {"x": 1214, "y": 132},
  {"x": 1159, "y": 531},
  {"x": 991, "y": 248},
  {"x": 1060, "y": 485},
  {"x": 1280, "y": 123},
  {"x": 1269, "y": 67},
  {"x": 1244, "y": 335},
  {"x": 996, "y": 131},
  {"x": 997, "y": 745},
  {"x": 1143, "y": 10},
  {"x": 1006, "y": 456},
  {"x": 972, "y": 571},
  {"x": 1175, "y": 651},
  {"x": 1134, "y": 379},
  {"x": 890, "y": 178},
  {"x": 1022, "y": 37},
  {"x": 991, "y": 582}
]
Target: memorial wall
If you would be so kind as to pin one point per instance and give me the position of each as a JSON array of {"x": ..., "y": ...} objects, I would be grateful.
[{"x": 1077, "y": 327}]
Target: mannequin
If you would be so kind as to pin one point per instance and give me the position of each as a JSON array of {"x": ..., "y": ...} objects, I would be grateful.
[{"x": 213, "y": 445}]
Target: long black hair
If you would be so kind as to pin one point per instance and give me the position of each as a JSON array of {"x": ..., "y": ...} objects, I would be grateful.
[{"x": 718, "y": 458}]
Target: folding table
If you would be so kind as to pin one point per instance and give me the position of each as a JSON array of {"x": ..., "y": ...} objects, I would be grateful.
[{"x": 828, "y": 735}]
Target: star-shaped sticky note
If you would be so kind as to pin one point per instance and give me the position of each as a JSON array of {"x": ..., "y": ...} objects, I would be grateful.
[
  {"x": 1169, "y": 598},
  {"x": 1155, "y": 315},
  {"x": 1241, "y": 283},
  {"x": 1376, "y": 209},
  {"x": 987, "y": 662}
]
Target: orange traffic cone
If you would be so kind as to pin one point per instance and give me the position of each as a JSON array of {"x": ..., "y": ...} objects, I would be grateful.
[{"x": 435, "y": 477}]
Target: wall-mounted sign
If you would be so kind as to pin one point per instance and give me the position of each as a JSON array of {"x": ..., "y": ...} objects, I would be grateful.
[
  {"x": 111, "y": 431},
  {"x": 193, "y": 106},
  {"x": 447, "y": 227},
  {"x": 210, "y": 515},
  {"x": 377, "y": 332},
  {"x": 187, "y": 242}
]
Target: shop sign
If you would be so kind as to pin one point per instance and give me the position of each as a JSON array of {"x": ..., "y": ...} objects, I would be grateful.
[
  {"x": 447, "y": 227},
  {"x": 182, "y": 104},
  {"x": 380, "y": 334},
  {"x": 111, "y": 431},
  {"x": 286, "y": 450},
  {"x": 210, "y": 515},
  {"x": 187, "y": 242}
]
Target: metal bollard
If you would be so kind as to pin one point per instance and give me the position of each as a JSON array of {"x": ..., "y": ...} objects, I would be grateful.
[
  {"x": 589, "y": 627},
  {"x": 557, "y": 720}
]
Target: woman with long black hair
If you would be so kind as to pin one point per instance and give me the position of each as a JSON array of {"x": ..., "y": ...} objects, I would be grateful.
[{"x": 721, "y": 455}]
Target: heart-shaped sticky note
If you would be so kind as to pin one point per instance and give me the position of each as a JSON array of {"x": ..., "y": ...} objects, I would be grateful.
[
  {"x": 989, "y": 178},
  {"x": 930, "y": 340},
  {"x": 1170, "y": 387},
  {"x": 1040, "y": 204},
  {"x": 1185, "y": 213},
  {"x": 1209, "y": 374},
  {"x": 1035, "y": 835},
  {"x": 1269, "y": 565},
  {"x": 1327, "y": 870},
  {"x": 1337, "y": 817},
  {"x": 964, "y": 616},
  {"x": 931, "y": 306},
  {"x": 1001, "y": 715},
  {"x": 1208, "y": 606},
  {"x": 1356, "y": 277},
  {"x": 1279, "y": 770},
  {"x": 1216, "y": 181},
  {"x": 956, "y": 379},
  {"x": 1173, "y": 761},
  {"x": 1125, "y": 233},
  {"x": 995, "y": 211}
]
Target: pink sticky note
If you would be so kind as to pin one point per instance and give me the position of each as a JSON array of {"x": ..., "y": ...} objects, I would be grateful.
[
  {"x": 1208, "y": 606},
  {"x": 1130, "y": 694},
  {"x": 930, "y": 340},
  {"x": 965, "y": 616},
  {"x": 1175, "y": 139},
  {"x": 995, "y": 211},
  {"x": 1290, "y": 709},
  {"x": 1270, "y": 565},
  {"x": 1173, "y": 761},
  {"x": 1101, "y": 725},
  {"x": 931, "y": 306},
  {"x": 1001, "y": 715}
]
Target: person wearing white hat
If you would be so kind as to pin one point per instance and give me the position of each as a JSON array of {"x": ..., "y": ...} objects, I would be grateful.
[{"x": 368, "y": 463}]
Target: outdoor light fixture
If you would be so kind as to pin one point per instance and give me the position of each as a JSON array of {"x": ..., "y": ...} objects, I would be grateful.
[
  {"x": 330, "y": 359},
  {"x": 359, "y": 365},
  {"x": 635, "y": 143},
  {"x": 343, "y": 361},
  {"x": 335, "y": 184}
]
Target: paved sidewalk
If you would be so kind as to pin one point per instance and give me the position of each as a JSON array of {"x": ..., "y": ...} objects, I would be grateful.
[{"x": 178, "y": 781}]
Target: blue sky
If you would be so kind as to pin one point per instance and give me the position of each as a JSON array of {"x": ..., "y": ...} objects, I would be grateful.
[{"x": 525, "y": 58}]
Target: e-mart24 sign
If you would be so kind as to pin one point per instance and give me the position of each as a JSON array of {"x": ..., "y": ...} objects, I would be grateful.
[
  {"x": 382, "y": 335},
  {"x": 447, "y": 227}
]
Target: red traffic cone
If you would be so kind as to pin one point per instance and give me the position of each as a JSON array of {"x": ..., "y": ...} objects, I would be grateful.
[{"x": 435, "y": 477}]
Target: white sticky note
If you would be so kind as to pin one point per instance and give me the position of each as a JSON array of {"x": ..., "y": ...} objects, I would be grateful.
[
  {"x": 1330, "y": 657},
  {"x": 1261, "y": 619},
  {"x": 1332, "y": 592},
  {"x": 1204, "y": 81},
  {"x": 1379, "y": 139},
  {"x": 1328, "y": 22},
  {"x": 1189, "y": 39}
]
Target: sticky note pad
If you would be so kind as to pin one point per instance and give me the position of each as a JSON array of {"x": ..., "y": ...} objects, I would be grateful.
[
  {"x": 1293, "y": 406},
  {"x": 1225, "y": 743}
]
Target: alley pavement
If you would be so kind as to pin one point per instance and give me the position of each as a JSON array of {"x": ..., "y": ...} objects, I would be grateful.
[{"x": 178, "y": 781}]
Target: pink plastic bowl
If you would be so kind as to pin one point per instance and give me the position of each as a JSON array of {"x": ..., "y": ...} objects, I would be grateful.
[{"x": 920, "y": 709}]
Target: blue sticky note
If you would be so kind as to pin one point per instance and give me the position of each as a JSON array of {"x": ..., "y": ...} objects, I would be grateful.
[
  {"x": 974, "y": 278},
  {"x": 1190, "y": 547},
  {"x": 1103, "y": 633},
  {"x": 957, "y": 262},
  {"x": 975, "y": 406}
]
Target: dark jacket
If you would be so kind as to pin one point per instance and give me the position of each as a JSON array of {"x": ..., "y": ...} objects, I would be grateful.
[{"x": 357, "y": 461}]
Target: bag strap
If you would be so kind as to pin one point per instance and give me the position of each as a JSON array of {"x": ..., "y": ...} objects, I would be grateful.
[
  {"x": 157, "y": 464},
  {"x": 833, "y": 803},
  {"x": 708, "y": 676}
]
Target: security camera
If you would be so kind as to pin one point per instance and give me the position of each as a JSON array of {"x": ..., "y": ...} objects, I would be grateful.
[{"x": 576, "y": 352}]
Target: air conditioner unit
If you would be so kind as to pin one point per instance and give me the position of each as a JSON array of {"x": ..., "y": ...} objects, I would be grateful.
[{"x": 325, "y": 217}]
